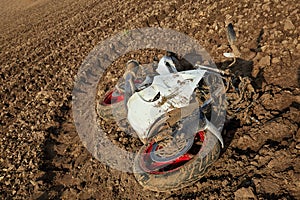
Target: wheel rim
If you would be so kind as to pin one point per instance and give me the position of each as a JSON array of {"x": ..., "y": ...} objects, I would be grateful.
[
  {"x": 110, "y": 98},
  {"x": 154, "y": 167}
]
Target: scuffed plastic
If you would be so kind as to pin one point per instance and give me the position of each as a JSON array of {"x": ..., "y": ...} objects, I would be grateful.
[{"x": 174, "y": 91}]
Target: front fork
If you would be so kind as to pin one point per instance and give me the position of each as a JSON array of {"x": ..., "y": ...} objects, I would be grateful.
[{"x": 129, "y": 76}]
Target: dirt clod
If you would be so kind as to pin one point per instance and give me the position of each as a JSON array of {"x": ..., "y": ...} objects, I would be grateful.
[{"x": 244, "y": 193}]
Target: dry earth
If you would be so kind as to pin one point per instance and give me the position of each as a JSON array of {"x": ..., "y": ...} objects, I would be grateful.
[{"x": 42, "y": 45}]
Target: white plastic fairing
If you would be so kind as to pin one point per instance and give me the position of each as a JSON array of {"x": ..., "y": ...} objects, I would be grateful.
[
  {"x": 166, "y": 66},
  {"x": 229, "y": 55},
  {"x": 167, "y": 92}
]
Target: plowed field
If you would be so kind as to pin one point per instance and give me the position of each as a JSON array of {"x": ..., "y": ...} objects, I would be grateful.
[{"x": 44, "y": 42}]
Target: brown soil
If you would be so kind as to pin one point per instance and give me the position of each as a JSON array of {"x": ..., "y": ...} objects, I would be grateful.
[{"x": 42, "y": 45}]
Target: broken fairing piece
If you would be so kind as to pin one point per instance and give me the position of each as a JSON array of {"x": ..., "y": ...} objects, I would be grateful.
[
  {"x": 166, "y": 66},
  {"x": 229, "y": 55},
  {"x": 231, "y": 37}
]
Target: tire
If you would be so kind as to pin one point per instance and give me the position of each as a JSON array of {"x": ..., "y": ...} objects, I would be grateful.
[{"x": 181, "y": 176}]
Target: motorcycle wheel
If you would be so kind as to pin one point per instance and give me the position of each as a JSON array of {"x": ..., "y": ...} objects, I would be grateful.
[{"x": 181, "y": 172}]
